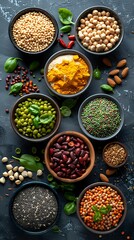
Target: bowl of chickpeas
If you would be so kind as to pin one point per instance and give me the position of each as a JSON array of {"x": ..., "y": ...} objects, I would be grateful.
[
  {"x": 101, "y": 208},
  {"x": 33, "y": 30},
  {"x": 99, "y": 30},
  {"x": 35, "y": 117}
]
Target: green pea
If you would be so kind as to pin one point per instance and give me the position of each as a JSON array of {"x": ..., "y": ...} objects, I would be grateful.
[{"x": 97, "y": 73}]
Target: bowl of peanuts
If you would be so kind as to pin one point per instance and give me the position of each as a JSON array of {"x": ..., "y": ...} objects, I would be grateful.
[
  {"x": 99, "y": 30},
  {"x": 33, "y": 30},
  {"x": 115, "y": 154},
  {"x": 101, "y": 208},
  {"x": 69, "y": 156}
]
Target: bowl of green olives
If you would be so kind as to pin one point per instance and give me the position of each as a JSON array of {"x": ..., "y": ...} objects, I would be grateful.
[{"x": 35, "y": 117}]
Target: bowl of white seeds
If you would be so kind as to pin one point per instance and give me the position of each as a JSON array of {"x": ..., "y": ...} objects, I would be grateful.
[
  {"x": 33, "y": 30},
  {"x": 99, "y": 30}
]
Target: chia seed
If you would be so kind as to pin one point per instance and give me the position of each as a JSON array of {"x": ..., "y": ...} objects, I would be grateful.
[
  {"x": 101, "y": 117},
  {"x": 35, "y": 208}
]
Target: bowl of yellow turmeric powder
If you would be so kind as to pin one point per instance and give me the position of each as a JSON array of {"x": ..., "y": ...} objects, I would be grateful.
[{"x": 68, "y": 73}]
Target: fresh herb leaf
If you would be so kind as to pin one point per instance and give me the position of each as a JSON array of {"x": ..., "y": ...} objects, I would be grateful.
[
  {"x": 97, "y": 73},
  {"x": 65, "y": 16},
  {"x": 70, "y": 103},
  {"x": 34, "y": 109},
  {"x": 65, "y": 111},
  {"x": 34, "y": 65},
  {"x": 94, "y": 208},
  {"x": 97, "y": 216},
  {"x": 56, "y": 229},
  {"x": 10, "y": 64},
  {"x": 65, "y": 29},
  {"x": 46, "y": 118},
  {"x": 98, "y": 212},
  {"x": 36, "y": 121},
  {"x": 15, "y": 88}
]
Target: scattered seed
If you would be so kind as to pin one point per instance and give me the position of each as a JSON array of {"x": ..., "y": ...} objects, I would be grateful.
[{"x": 4, "y": 159}]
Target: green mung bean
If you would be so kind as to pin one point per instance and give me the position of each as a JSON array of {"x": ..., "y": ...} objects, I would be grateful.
[{"x": 101, "y": 117}]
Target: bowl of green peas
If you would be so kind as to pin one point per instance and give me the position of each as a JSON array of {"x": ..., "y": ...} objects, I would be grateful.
[{"x": 35, "y": 117}]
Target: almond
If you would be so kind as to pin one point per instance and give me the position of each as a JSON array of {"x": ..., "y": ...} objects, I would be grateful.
[
  {"x": 110, "y": 172},
  {"x": 107, "y": 62},
  {"x": 103, "y": 178},
  {"x": 124, "y": 72},
  {"x": 121, "y": 63},
  {"x": 114, "y": 72},
  {"x": 117, "y": 79},
  {"x": 111, "y": 82}
]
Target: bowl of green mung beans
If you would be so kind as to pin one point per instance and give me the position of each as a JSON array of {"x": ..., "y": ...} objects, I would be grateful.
[
  {"x": 35, "y": 117},
  {"x": 101, "y": 117}
]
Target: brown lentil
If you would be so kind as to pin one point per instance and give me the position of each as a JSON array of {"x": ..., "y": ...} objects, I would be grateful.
[
  {"x": 33, "y": 31},
  {"x": 101, "y": 196},
  {"x": 99, "y": 31},
  {"x": 35, "y": 208},
  {"x": 114, "y": 154}
]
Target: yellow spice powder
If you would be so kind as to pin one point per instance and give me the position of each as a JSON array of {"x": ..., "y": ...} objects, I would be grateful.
[{"x": 69, "y": 76}]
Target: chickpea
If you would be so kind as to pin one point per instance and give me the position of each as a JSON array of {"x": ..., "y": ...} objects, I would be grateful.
[
  {"x": 89, "y": 15},
  {"x": 9, "y": 167},
  {"x": 95, "y": 12},
  {"x": 10, "y": 173},
  {"x": 82, "y": 20},
  {"x": 16, "y": 175},
  {"x": 4, "y": 159},
  {"x": 2, "y": 180},
  {"x": 21, "y": 169},
  {"x": 109, "y": 45},
  {"x": 11, "y": 178}
]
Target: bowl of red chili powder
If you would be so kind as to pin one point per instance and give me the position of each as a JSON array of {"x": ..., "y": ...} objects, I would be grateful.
[{"x": 101, "y": 117}]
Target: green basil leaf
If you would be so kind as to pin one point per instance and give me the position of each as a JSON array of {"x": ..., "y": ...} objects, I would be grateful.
[
  {"x": 103, "y": 210},
  {"x": 70, "y": 103},
  {"x": 65, "y": 29},
  {"x": 36, "y": 121},
  {"x": 10, "y": 64},
  {"x": 34, "y": 109},
  {"x": 97, "y": 216},
  {"x": 15, "y": 88},
  {"x": 39, "y": 165},
  {"x": 65, "y": 111},
  {"x": 34, "y": 65},
  {"x": 46, "y": 118},
  {"x": 95, "y": 208},
  {"x": 65, "y": 16}
]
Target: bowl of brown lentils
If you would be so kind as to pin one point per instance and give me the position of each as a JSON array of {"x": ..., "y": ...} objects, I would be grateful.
[
  {"x": 115, "y": 154},
  {"x": 69, "y": 156},
  {"x": 33, "y": 30},
  {"x": 34, "y": 207},
  {"x": 99, "y": 30},
  {"x": 35, "y": 117},
  {"x": 100, "y": 117},
  {"x": 101, "y": 208}
]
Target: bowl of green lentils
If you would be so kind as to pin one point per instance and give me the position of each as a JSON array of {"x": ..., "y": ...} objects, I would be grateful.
[
  {"x": 101, "y": 117},
  {"x": 35, "y": 117}
]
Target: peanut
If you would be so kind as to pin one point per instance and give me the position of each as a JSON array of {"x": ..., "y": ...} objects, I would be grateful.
[
  {"x": 124, "y": 72},
  {"x": 111, "y": 82},
  {"x": 121, "y": 63},
  {"x": 114, "y": 72},
  {"x": 110, "y": 172},
  {"x": 103, "y": 178},
  {"x": 107, "y": 62},
  {"x": 117, "y": 79}
]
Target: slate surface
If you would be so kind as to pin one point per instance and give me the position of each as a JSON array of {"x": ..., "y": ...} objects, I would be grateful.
[{"x": 124, "y": 179}]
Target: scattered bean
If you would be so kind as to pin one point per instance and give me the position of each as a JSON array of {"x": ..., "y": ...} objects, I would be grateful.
[
  {"x": 9, "y": 167},
  {"x": 4, "y": 159},
  {"x": 2, "y": 180}
]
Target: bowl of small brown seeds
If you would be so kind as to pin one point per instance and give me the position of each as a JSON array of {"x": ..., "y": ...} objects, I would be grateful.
[
  {"x": 115, "y": 154},
  {"x": 99, "y": 30},
  {"x": 33, "y": 30}
]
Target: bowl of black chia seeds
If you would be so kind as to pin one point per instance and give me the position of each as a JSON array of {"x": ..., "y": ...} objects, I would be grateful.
[
  {"x": 101, "y": 117},
  {"x": 34, "y": 207}
]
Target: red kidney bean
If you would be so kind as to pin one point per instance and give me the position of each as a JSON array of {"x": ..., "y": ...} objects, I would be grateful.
[
  {"x": 75, "y": 161},
  {"x": 82, "y": 153},
  {"x": 78, "y": 165},
  {"x": 62, "y": 165},
  {"x": 51, "y": 151},
  {"x": 72, "y": 155},
  {"x": 64, "y": 143},
  {"x": 57, "y": 169},
  {"x": 85, "y": 157},
  {"x": 57, "y": 145},
  {"x": 60, "y": 174},
  {"x": 64, "y": 157},
  {"x": 79, "y": 172},
  {"x": 55, "y": 164},
  {"x": 55, "y": 159},
  {"x": 67, "y": 138},
  {"x": 73, "y": 176},
  {"x": 71, "y": 148},
  {"x": 77, "y": 151},
  {"x": 51, "y": 165},
  {"x": 57, "y": 154},
  {"x": 61, "y": 161},
  {"x": 71, "y": 165},
  {"x": 64, "y": 147},
  {"x": 79, "y": 140},
  {"x": 69, "y": 161},
  {"x": 55, "y": 150},
  {"x": 60, "y": 139},
  {"x": 64, "y": 169},
  {"x": 68, "y": 171},
  {"x": 66, "y": 152},
  {"x": 77, "y": 144}
]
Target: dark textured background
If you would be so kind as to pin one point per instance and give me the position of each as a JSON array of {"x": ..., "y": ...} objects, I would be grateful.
[{"x": 124, "y": 179}]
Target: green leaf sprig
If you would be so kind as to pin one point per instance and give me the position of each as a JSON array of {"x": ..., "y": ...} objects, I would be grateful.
[
  {"x": 99, "y": 212},
  {"x": 29, "y": 162},
  {"x": 10, "y": 64},
  {"x": 15, "y": 88},
  {"x": 66, "y": 107},
  {"x": 65, "y": 16}
]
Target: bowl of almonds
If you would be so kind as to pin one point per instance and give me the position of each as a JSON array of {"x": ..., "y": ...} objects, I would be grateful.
[
  {"x": 115, "y": 154},
  {"x": 99, "y": 30}
]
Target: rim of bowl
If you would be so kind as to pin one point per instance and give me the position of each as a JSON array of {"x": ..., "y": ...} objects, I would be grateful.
[
  {"x": 24, "y": 11},
  {"x": 36, "y": 95},
  {"x": 91, "y": 186},
  {"x": 68, "y": 52},
  {"x": 90, "y": 98},
  {"x": 122, "y": 145},
  {"x": 26, "y": 185},
  {"x": 113, "y": 13},
  {"x": 86, "y": 140}
]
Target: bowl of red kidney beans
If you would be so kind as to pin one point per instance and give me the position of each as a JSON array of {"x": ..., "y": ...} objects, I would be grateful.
[{"x": 69, "y": 156}]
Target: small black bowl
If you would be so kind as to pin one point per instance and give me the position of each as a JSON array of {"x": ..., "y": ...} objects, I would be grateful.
[
  {"x": 88, "y": 100},
  {"x": 32, "y": 185},
  {"x": 29, "y": 10},
  {"x": 100, "y": 8}
]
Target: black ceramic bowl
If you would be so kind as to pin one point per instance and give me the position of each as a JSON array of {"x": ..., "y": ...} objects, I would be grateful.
[
  {"x": 122, "y": 199},
  {"x": 64, "y": 53},
  {"x": 98, "y": 40},
  {"x": 94, "y": 121},
  {"x": 21, "y": 209},
  {"x": 34, "y": 36},
  {"x": 37, "y": 96}
]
